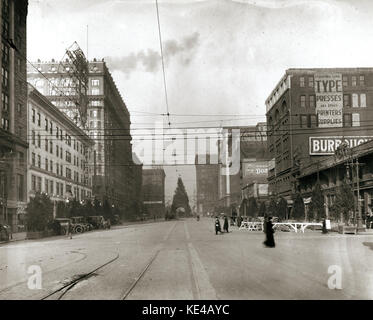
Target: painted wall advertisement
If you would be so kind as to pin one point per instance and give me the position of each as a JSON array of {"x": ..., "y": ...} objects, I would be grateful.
[
  {"x": 329, "y": 100},
  {"x": 328, "y": 145},
  {"x": 254, "y": 171},
  {"x": 255, "y": 168}
]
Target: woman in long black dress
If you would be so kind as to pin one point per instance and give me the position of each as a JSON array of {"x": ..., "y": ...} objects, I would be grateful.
[
  {"x": 225, "y": 225},
  {"x": 270, "y": 241},
  {"x": 217, "y": 226}
]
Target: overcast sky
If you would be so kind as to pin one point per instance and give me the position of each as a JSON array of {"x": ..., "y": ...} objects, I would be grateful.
[{"x": 222, "y": 57}]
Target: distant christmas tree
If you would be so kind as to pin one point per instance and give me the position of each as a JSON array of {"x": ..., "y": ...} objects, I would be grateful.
[{"x": 180, "y": 201}]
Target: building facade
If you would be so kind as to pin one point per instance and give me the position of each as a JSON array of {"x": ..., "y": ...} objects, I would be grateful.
[
  {"x": 252, "y": 166},
  {"x": 108, "y": 124},
  {"x": 207, "y": 185},
  {"x": 330, "y": 173},
  {"x": 153, "y": 191},
  {"x": 13, "y": 113},
  {"x": 59, "y": 152},
  {"x": 309, "y": 114}
]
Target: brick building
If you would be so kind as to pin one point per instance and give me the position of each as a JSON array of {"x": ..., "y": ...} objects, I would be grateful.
[
  {"x": 13, "y": 112},
  {"x": 59, "y": 152},
  {"x": 108, "y": 124},
  {"x": 309, "y": 114}
]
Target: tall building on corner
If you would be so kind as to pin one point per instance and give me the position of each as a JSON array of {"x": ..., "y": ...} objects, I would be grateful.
[
  {"x": 107, "y": 123},
  {"x": 310, "y": 113},
  {"x": 13, "y": 112}
]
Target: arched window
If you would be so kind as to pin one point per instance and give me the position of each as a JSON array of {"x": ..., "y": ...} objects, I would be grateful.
[
  {"x": 284, "y": 107},
  {"x": 277, "y": 115}
]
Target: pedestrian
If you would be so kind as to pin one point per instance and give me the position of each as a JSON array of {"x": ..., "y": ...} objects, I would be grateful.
[
  {"x": 270, "y": 241},
  {"x": 324, "y": 226},
  {"x": 70, "y": 230},
  {"x": 217, "y": 226},
  {"x": 226, "y": 225},
  {"x": 239, "y": 221},
  {"x": 369, "y": 217}
]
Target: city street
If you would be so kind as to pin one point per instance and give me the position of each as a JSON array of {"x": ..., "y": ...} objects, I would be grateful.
[{"x": 184, "y": 259}]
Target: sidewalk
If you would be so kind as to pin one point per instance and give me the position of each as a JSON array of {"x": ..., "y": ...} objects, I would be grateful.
[{"x": 18, "y": 236}]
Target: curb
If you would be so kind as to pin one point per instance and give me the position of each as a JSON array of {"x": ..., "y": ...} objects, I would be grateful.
[{"x": 12, "y": 240}]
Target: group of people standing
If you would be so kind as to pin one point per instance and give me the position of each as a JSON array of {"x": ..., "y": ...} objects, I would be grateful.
[
  {"x": 267, "y": 229},
  {"x": 218, "y": 226}
]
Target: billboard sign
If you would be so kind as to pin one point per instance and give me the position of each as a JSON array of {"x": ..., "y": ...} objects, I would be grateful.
[
  {"x": 255, "y": 168},
  {"x": 328, "y": 145},
  {"x": 329, "y": 100}
]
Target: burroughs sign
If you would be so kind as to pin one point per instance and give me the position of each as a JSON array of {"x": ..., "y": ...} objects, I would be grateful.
[
  {"x": 328, "y": 145},
  {"x": 329, "y": 100}
]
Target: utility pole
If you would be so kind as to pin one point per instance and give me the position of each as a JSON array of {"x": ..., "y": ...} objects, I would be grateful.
[{"x": 359, "y": 217}]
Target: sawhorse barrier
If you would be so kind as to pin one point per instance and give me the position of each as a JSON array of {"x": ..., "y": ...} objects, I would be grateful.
[{"x": 294, "y": 226}]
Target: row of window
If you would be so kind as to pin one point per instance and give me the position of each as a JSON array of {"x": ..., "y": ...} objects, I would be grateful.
[
  {"x": 95, "y": 124},
  {"x": 349, "y": 100},
  {"x": 36, "y": 118},
  {"x": 49, "y": 166},
  {"x": 5, "y": 114},
  {"x": 347, "y": 80},
  {"x": 311, "y": 120},
  {"x": 48, "y": 145},
  {"x": 57, "y": 188},
  {"x": 95, "y": 113},
  {"x": 54, "y": 91}
]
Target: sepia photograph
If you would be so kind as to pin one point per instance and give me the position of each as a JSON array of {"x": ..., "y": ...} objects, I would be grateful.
[{"x": 200, "y": 151}]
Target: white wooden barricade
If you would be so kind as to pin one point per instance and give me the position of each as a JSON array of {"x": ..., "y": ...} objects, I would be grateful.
[{"x": 258, "y": 226}]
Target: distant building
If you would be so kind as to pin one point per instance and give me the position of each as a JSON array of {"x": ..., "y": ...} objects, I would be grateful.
[
  {"x": 13, "y": 113},
  {"x": 207, "y": 183},
  {"x": 153, "y": 191},
  {"x": 108, "y": 124},
  {"x": 59, "y": 152},
  {"x": 310, "y": 113},
  {"x": 253, "y": 166}
]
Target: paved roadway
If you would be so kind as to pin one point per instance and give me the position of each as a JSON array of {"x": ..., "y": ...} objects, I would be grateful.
[{"x": 185, "y": 260}]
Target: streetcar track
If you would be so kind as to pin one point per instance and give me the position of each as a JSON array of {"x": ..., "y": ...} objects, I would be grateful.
[
  {"x": 77, "y": 280},
  {"x": 140, "y": 276},
  {"x": 142, "y": 273}
]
